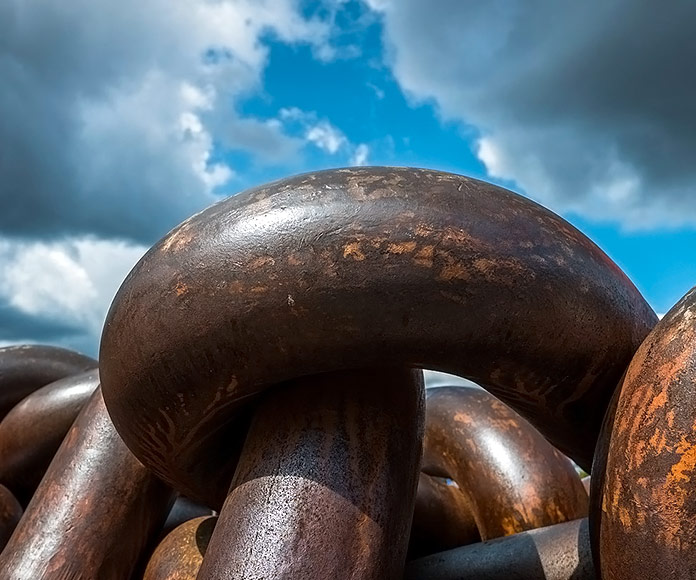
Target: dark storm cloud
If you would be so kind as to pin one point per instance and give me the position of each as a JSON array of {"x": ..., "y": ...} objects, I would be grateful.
[
  {"x": 16, "y": 326},
  {"x": 76, "y": 156},
  {"x": 589, "y": 106},
  {"x": 110, "y": 114}
]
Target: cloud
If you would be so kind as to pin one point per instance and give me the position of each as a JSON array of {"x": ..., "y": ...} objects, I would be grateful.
[
  {"x": 16, "y": 326},
  {"x": 322, "y": 134},
  {"x": 114, "y": 114},
  {"x": 587, "y": 106},
  {"x": 60, "y": 291},
  {"x": 326, "y": 137},
  {"x": 360, "y": 155},
  {"x": 119, "y": 120}
]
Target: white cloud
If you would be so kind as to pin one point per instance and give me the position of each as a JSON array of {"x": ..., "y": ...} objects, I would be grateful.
[
  {"x": 360, "y": 155},
  {"x": 568, "y": 104},
  {"x": 116, "y": 109},
  {"x": 321, "y": 133},
  {"x": 326, "y": 137},
  {"x": 69, "y": 282}
]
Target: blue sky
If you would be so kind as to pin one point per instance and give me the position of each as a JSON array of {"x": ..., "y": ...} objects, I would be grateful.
[{"x": 118, "y": 120}]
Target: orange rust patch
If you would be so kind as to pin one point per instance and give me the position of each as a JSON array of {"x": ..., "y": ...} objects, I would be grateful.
[
  {"x": 259, "y": 289},
  {"x": 503, "y": 270},
  {"x": 423, "y": 230},
  {"x": 463, "y": 418},
  {"x": 353, "y": 250},
  {"x": 377, "y": 241},
  {"x": 405, "y": 247},
  {"x": 624, "y": 517},
  {"x": 236, "y": 286},
  {"x": 658, "y": 441},
  {"x": 180, "y": 237},
  {"x": 510, "y": 525},
  {"x": 232, "y": 385},
  {"x": 454, "y": 271},
  {"x": 461, "y": 238},
  {"x": 181, "y": 288},
  {"x": 424, "y": 257},
  {"x": 293, "y": 260},
  {"x": 686, "y": 463},
  {"x": 659, "y": 401},
  {"x": 261, "y": 262}
]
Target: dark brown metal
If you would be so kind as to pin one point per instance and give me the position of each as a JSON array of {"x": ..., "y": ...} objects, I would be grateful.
[
  {"x": 326, "y": 482},
  {"x": 645, "y": 504},
  {"x": 31, "y": 433},
  {"x": 182, "y": 511},
  {"x": 442, "y": 518},
  {"x": 356, "y": 268},
  {"x": 513, "y": 479},
  {"x": 93, "y": 512},
  {"x": 180, "y": 555},
  {"x": 10, "y": 513},
  {"x": 558, "y": 552},
  {"x": 23, "y": 369}
]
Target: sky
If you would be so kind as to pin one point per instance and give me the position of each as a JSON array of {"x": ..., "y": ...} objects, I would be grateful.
[{"x": 118, "y": 120}]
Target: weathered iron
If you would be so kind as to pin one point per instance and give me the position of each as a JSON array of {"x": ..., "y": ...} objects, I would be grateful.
[
  {"x": 644, "y": 505},
  {"x": 557, "y": 552},
  {"x": 23, "y": 369},
  {"x": 93, "y": 512},
  {"x": 180, "y": 555},
  {"x": 31, "y": 433},
  {"x": 513, "y": 479},
  {"x": 326, "y": 481},
  {"x": 10, "y": 513},
  {"x": 357, "y": 268},
  {"x": 442, "y": 518}
]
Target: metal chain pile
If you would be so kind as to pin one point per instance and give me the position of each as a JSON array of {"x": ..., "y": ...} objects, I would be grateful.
[{"x": 258, "y": 408}]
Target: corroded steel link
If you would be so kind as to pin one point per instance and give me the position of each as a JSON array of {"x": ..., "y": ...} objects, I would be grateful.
[
  {"x": 10, "y": 513},
  {"x": 31, "y": 433},
  {"x": 558, "y": 552},
  {"x": 442, "y": 518},
  {"x": 180, "y": 555},
  {"x": 94, "y": 511},
  {"x": 23, "y": 369},
  {"x": 182, "y": 511},
  {"x": 326, "y": 481},
  {"x": 645, "y": 505},
  {"x": 359, "y": 268},
  {"x": 512, "y": 477}
]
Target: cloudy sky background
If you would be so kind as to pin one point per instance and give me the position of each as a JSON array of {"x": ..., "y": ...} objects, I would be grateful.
[{"x": 120, "y": 119}]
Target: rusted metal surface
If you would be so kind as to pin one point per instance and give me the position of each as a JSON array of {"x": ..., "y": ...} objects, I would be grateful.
[
  {"x": 645, "y": 504},
  {"x": 512, "y": 478},
  {"x": 182, "y": 511},
  {"x": 31, "y": 433},
  {"x": 326, "y": 482},
  {"x": 93, "y": 512},
  {"x": 442, "y": 518},
  {"x": 10, "y": 513},
  {"x": 358, "y": 268},
  {"x": 23, "y": 369},
  {"x": 558, "y": 552},
  {"x": 180, "y": 555}
]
